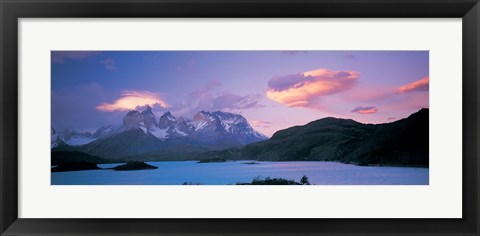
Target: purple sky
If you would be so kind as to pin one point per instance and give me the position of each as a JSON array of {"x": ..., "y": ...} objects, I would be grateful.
[{"x": 273, "y": 89}]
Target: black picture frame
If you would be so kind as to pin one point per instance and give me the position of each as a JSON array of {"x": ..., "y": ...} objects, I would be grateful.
[{"x": 12, "y": 10}]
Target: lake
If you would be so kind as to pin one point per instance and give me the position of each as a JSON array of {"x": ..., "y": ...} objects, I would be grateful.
[{"x": 178, "y": 172}]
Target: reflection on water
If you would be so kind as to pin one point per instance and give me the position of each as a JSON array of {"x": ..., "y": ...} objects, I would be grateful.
[{"x": 176, "y": 172}]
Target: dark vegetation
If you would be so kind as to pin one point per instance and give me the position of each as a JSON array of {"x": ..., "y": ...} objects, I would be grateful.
[
  {"x": 187, "y": 153},
  {"x": 134, "y": 165},
  {"x": 83, "y": 165},
  {"x": 276, "y": 181},
  {"x": 170, "y": 152},
  {"x": 62, "y": 157},
  {"x": 131, "y": 142},
  {"x": 75, "y": 166},
  {"x": 304, "y": 180}
]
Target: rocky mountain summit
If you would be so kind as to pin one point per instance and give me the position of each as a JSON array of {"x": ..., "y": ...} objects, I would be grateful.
[{"x": 141, "y": 133}]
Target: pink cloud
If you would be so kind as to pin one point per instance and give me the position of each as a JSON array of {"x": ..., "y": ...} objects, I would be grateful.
[
  {"x": 61, "y": 56},
  {"x": 262, "y": 124},
  {"x": 365, "y": 110},
  {"x": 299, "y": 90},
  {"x": 419, "y": 85},
  {"x": 133, "y": 99}
]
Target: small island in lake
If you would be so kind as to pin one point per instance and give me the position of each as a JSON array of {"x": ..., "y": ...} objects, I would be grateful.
[
  {"x": 75, "y": 166},
  {"x": 212, "y": 160},
  {"x": 251, "y": 163},
  {"x": 134, "y": 165}
]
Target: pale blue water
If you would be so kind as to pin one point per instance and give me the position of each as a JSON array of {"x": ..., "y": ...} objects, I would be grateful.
[{"x": 178, "y": 172}]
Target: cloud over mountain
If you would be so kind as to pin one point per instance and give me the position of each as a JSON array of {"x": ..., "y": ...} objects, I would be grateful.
[
  {"x": 133, "y": 99},
  {"x": 210, "y": 97}
]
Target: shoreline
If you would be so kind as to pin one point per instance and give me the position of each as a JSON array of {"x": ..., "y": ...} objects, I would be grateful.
[{"x": 249, "y": 160}]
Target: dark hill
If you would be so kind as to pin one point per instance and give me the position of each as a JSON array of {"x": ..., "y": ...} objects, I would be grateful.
[
  {"x": 130, "y": 142},
  {"x": 60, "y": 157},
  {"x": 404, "y": 142},
  {"x": 75, "y": 166}
]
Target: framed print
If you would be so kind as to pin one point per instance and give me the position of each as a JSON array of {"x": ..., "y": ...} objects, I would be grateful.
[
  {"x": 255, "y": 118},
  {"x": 182, "y": 134}
]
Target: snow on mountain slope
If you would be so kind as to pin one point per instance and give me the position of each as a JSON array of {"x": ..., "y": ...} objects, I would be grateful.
[
  {"x": 223, "y": 127},
  {"x": 218, "y": 129},
  {"x": 198, "y": 125},
  {"x": 75, "y": 138},
  {"x": 159, "y": 133}
]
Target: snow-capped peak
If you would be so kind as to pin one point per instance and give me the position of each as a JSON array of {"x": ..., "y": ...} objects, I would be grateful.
[
  {"x": 205, "y": 128},
  {"x": 168, "y": 116},
  {"x": 143, "y": 120},
  {"x": 75, "y": 138},
  {"x": 225, "y": 122}
]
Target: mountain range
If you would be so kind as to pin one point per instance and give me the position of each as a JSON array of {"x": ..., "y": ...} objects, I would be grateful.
[
  {"x": 227, "y": 136},
  {"x": 140, "y": 133}
]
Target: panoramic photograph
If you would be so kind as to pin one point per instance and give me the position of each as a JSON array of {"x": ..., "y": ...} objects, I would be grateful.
[{"x": 239, "y": 118}]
